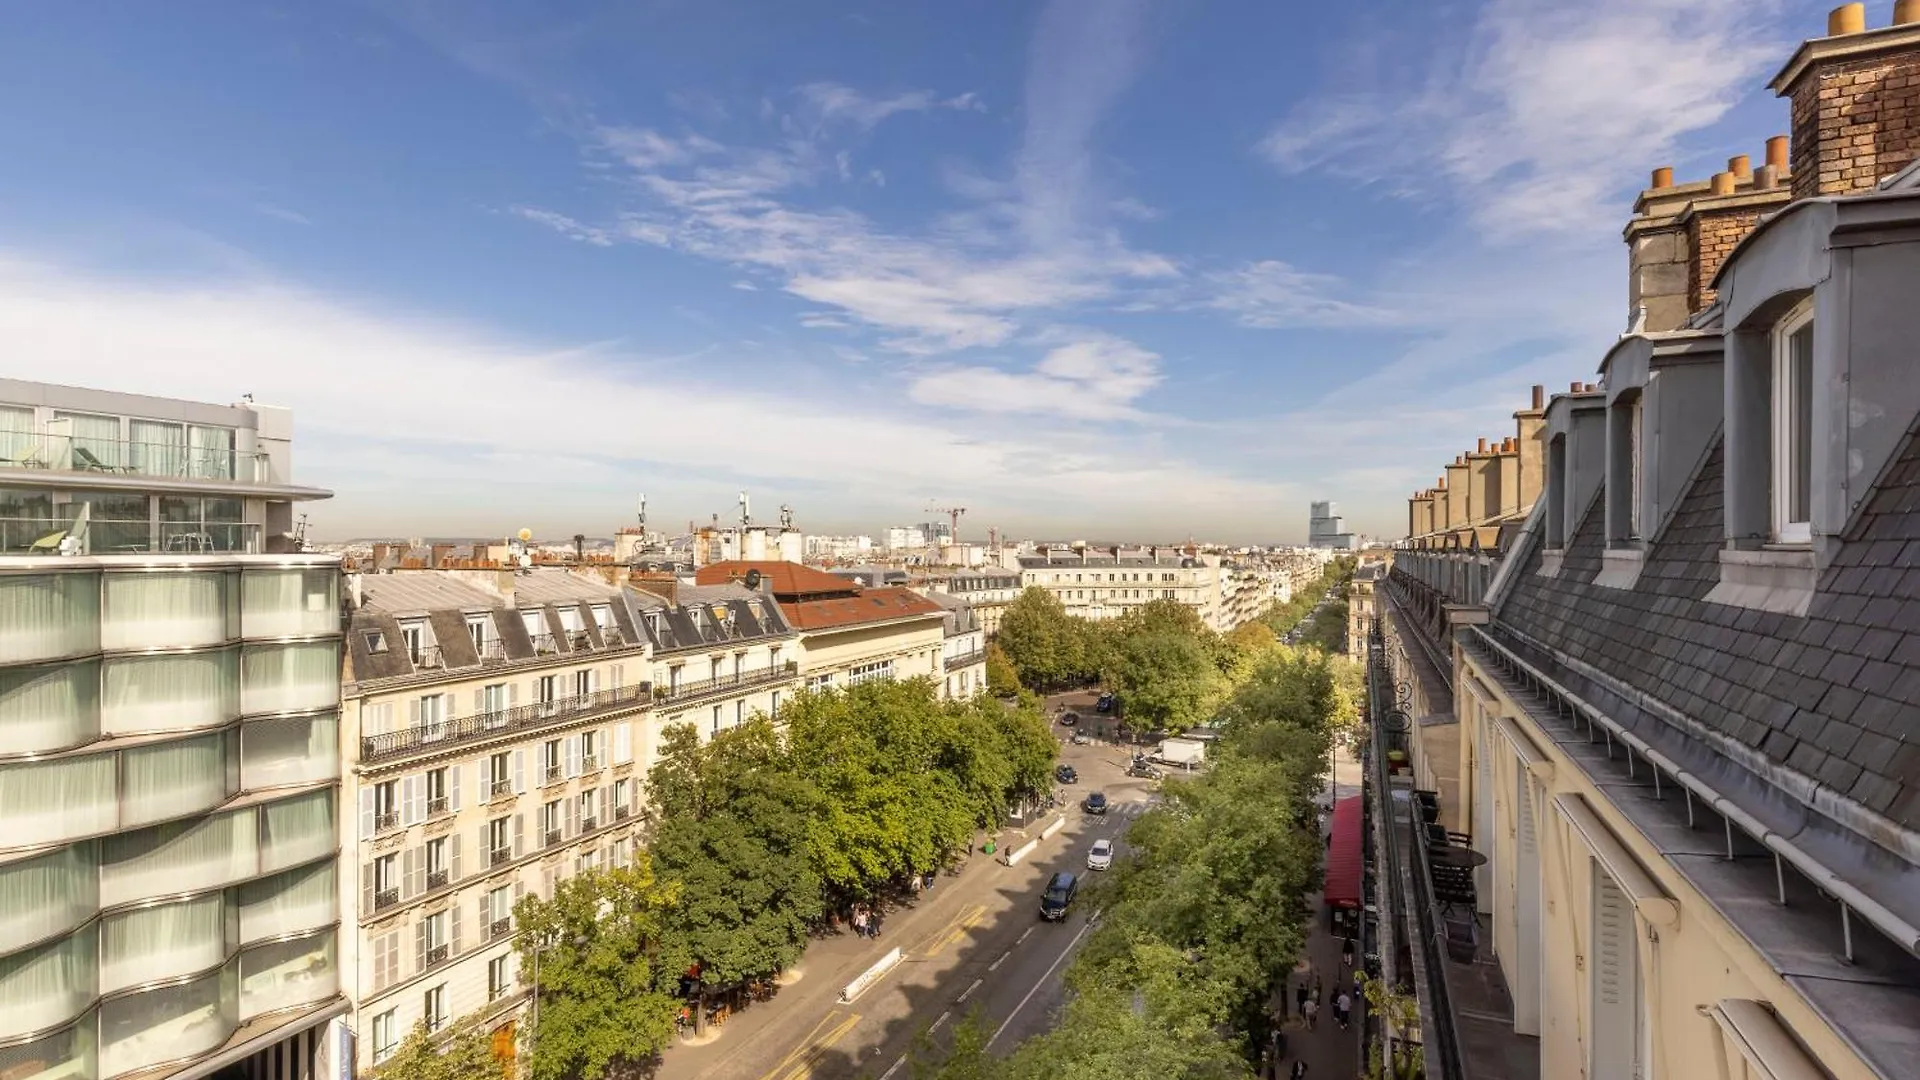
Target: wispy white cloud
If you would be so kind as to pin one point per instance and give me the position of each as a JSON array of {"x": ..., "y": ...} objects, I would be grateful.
[
  {"x": 565, "y": 226},
  {"x": 1087, "y": 376},
  {"x": 832, "y": 102},
  {"x": 281, "y": 213},
  {"x": 1545, "y": 114},
  {"x": 1272, "y": 295}
]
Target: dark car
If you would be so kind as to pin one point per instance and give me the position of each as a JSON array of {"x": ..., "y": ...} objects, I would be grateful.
[
  {"x": 1059, "y": 895},
  {"x": 1096, "y": 802},
  {"x": 1069, "y": 719},
  {"x": 1105, "y": 704},
  {"x": 1066, "y": 775},
  {"x": 1143, "y": 771}
]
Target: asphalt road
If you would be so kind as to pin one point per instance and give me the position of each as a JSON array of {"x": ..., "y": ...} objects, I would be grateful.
[{"x": 975, "y": 942}]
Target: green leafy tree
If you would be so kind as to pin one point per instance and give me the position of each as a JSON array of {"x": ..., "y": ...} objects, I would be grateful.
[
  {"x": 728, "y": 832},
  {"x": 1003, "y": 679},
  {"x": 1044, "y": 643},
  {"x": 1165, "y": 679},
  {"x": 465, "y": 1052},
  {"x": 601, "y": 1008}
]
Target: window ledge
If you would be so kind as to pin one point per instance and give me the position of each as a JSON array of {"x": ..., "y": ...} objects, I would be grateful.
[
  {"x": 1778, "y": 578},
  {"x": 1620, "y": 567},
  {"x": 1550, "y": 560}
]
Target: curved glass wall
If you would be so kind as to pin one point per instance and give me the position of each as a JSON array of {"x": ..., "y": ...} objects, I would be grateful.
[
  {"x": 288, "y": 903},
  {"x": 285, "y": 750},
  {"x": 49, "y": 708},
  {"x": 63, "y": 1055},
  {"x": 292, "y": 677},
  {"x": 45, "y": 987},
  {"x": 296, "y": 830},
  {"x": 292, "y": 602},
  {"x": 170, "y": 692},
  {"x": 169, "y": 1023},
  {"x": 167, "y": 610},
  {"x": 172, "y": 779},
  {"x": 182, "y": 857},
  {"x": 48, "y": 895},
  {"x": 166, "y": 941},
  {"x": 285, "y": 974},
  {"x": 48, "y": 616},
  {"x": 45, "y": 801}
]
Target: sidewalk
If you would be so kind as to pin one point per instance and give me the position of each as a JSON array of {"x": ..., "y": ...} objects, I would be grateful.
[{"x": 1330, "y": 1053}]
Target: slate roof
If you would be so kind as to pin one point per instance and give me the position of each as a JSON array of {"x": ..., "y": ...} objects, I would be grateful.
[
  {"x": 707, "y": 617},
  {"x": 1831, "y": 695}
]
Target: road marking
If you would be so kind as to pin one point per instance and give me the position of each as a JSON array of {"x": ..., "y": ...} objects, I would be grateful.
[
  {"x": 799, "y": 1047},
  {"x": 1051, "y": 968},
  {"x": 995, "y": 966},
  {"x": 968, "y": 992},
  {"x": 1023, "y": 934},
  {"x": 896, "y": 1067},
  {"x": 954, "y": 931},
  {"x": 809, "y": 1053},
  {"x": 941, "y": 1019}
]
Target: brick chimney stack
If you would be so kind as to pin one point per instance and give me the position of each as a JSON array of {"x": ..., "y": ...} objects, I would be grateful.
[{"x": 1855, "y": 98}]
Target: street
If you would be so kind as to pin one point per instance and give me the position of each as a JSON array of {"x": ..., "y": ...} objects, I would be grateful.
[{"x": 975, "y": 941}]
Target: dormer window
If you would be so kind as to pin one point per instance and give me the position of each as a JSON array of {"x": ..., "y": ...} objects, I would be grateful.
[{"x": 1793, "y": 426}]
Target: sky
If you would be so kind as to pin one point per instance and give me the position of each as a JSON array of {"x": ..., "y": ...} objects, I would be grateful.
[{"x": 1088, "y": 268}]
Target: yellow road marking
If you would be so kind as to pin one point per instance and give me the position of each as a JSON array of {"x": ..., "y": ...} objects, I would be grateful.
[
  {"x": 932, "y": 941},
  {"x": 800, "y": 1048},
  {"x": 811, "y": 1054},
  {"x": 956, "y": 930}
]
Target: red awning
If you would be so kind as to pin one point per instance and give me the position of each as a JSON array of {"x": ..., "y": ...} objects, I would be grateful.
[{"x": 1343, "y": 855}]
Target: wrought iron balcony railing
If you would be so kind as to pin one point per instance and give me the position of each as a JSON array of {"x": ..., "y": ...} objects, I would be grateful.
[
  {"x": 486, "y": 725},
  {"x": 968, "y": 659},
  {"x": 723, "y": 683}
]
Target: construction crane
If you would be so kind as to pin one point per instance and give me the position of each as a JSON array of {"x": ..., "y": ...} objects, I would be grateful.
[{"x": 953, "y": 520}]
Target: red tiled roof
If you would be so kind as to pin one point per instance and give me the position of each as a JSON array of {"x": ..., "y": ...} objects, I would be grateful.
[
  {"x": 784, "y": 580},
  {"x": 870, "y": 606}
]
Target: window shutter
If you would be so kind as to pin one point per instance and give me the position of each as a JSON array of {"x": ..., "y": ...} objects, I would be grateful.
[
  {"x": 420, "y": 944},
  {"x": 484, "y": 790},
  {"x": 519, "y": 771},
  {"x": 622, "y": 743},
  {"x": 413, "y": 712},
  {"x": 573, "y": 752},
  {"x": 486, "y": 846},
  {"x": 366, "y": 812},
  {"x": 573, "y": 817},
  {"x": 606, "y": 806},
  {"x": 513, "y": 694},
  {"x": 453, "y": 936},
  {"x": 453, "y": 857},
  {"x": 453, "y": 788},
  {"x": 409, "y": 800},
  {"x": 619, "y": 671},
  {"x": 413, "y": 872},
  {"x": 1614, "y": 998},
  {"x": 366, "y": 889},
  {"x": 479, "y": 701},
  {"x": 593, "y": 680},
  {"x": 519, "y": 834}
]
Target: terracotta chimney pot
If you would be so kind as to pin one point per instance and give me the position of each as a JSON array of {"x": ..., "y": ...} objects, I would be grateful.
[
  {"x": 1740, "y": 166},
  {"x": 1906, "y": 11},
  {"x": 1573, "y": 387},
  {"x": 1777, "y": 147},
  {"x": 1766, "y": 177},
  {"x": 1539, "y": 396},
  {"x": 1722, "y": 183},
  {"x": 1483, "y": 446},
  {"x": 1847, "y": 19},
  {"x": 1662, "y": 177}
]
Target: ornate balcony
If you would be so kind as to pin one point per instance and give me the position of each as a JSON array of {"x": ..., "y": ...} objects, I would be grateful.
[
  {"x": 726, "y": 683},
  {"x": 487, "y": 725}
]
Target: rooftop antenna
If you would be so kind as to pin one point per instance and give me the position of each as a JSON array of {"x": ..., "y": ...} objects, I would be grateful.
[
  {"x": 746, "y": 517},
  {"x": 300, "y": 534},
  {"x": 643, "y": 512},
  {"x": 786, "y": 516}
]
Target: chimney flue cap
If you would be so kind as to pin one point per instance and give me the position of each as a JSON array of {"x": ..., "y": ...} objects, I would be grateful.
[
  {"x": 1588, "y": 388},
  {"x": 1777, "y": 146},
  {"x": 1539, "y": 396},
  {"x": 1662, "y": 177},
  {"x": 1722, "y": 183},
  {"x": 1483, "y": 445},
  {"x": 1766, "y": 177},
  {"x": 1573, "y": 387},
  {"x": 1740, "y": 165},
  {"x": 1906, "y": 11},
  {"x": 1847, "y": 19}
]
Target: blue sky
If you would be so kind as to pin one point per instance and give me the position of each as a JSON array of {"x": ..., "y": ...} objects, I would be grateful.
[{"x": 1100, "y": 268}]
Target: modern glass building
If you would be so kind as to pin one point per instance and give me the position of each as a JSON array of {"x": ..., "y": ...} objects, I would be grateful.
[{"x": 169, "y": 765}]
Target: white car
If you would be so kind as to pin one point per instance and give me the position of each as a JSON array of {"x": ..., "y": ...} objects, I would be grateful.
[{"x": 1101, "y": 857}]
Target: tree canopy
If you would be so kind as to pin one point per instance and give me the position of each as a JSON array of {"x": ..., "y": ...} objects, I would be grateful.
[
  {"x": 463, "y": 1053},
  {"x": 1047, "y": 646}
]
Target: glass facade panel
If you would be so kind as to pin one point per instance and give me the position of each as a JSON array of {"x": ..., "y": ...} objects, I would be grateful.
[
  {"x": 167, "y": 610},
  {"x": 180, "y": 857},
  {"x": 49, "y": 708},
  {"x": 165, "y": 941},
  {"x": 168, "y": 1024},
  {"x": 48, "y": 895},
  {"x": 210, "y": 451},
  {"x": 170, "y": 692},
  {"x": 290, "y": 603},
  {"x": 157, "y": 447},
  {"x": 288, "y": 903},
  {"x": 172, "y": 779},
  {"x": 284, "y": 974},
  {"x": 296, "y": 830},
  {"x": 116, "y": 524},
  {"x": 42, "y": 802},
  {"x": 63, "y": 1055},
  {"x": 27, "y": 519},
  {"x": 48, "y": 986},
  {"x": 48, "y": 616},
  {"x": 291, "y": 677},
  {"x": 287, "y": 750}
]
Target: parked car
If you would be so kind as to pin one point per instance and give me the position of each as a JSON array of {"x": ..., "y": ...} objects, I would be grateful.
[
  {"x": 1069, "y": 719},
  {"x": 1079, "y": 739},
  {"x": 1101, "y": 857},
  {"x": 1066, "y": 775},
  {"x": 1096, "y": 802},
  {"x": 1143, "y": 771},
  {"x": 1058, "y": 896},
  {"x": 1105, "y": 704}
]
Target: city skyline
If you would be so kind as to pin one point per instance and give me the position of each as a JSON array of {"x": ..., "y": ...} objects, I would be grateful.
[{"x": 1007, "y": 261}]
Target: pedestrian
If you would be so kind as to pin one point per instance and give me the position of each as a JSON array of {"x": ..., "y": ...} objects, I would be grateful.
[
  {"x": 1311, "y": 1010},
  {"x": 1317, "y": 996},
  {"x": 859, "y": 921},
  {"x": 1342, "y": 1008},
  {"x": 931, "y": 875},
  {"x": 1300, "y": 996},
  {"x": 1298, "y": 1072},
  {"x": 1346, "y": 953},
  {"x": 873, "y": 926}
]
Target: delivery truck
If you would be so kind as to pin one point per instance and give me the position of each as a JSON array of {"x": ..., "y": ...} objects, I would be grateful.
[{"x": 1182, "y": 753}]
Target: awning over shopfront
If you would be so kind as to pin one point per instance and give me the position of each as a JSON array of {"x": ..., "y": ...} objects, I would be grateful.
[{"x": 1343, "y": 854}]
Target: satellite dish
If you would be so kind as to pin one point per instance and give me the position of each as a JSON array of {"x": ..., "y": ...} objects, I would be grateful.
[
  {"x": 1186, "y": 564},
  {"x": 753, "y": 579},
  {"x": 526, "y": 535}
]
